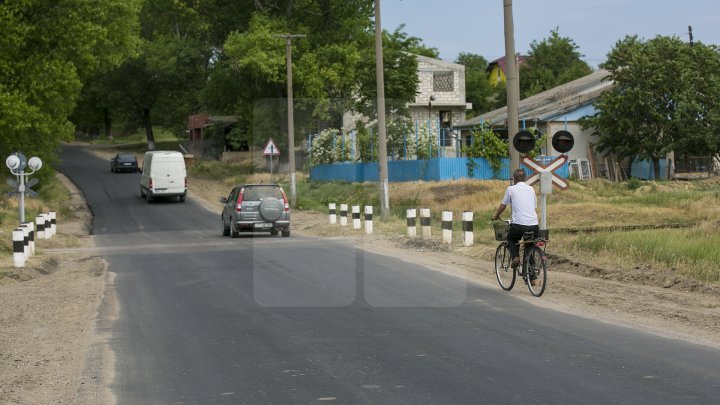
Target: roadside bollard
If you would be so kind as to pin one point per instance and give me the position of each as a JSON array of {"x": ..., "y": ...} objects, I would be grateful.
[
  {"x": 53, "y": 223},
  {"x": 332, "y": 214},
  {"x": 343, "y": 214},
  {"x": 425, "y": 223},
  {"x": 447, "y": 217},
  {"x": 40, "y": 227},
  {"x": 48, "y": 231},
  {"x": 411, "y": 227},
  {"x": 31, "y": 240},
  {"x": 26, "y": 240},
  {"x": 356, "y": 216},
  {"x": 368, "y": 219},
  {"x": 18, "y": 248},
  {"x": 467, "y": 227}
]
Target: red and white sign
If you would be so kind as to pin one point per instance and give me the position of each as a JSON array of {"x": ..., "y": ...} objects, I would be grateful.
[
  {"x": 538, "y": 168},
  {"x": 271, "y": 149}
]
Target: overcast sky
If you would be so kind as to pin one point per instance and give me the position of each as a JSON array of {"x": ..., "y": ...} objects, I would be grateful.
[{"x": 476, "y": 26}]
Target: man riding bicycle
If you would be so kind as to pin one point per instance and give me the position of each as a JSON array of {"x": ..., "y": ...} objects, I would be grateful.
[{"x": 524, "y": 218}]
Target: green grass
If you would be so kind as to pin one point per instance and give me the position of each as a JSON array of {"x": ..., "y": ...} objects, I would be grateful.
[
  {"x": 161, "y": 135},
  {"x": 694, "y": 251},
  {"x": 214, "y": 170}
]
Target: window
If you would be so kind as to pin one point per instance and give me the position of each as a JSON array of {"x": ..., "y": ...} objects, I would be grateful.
[{"x": 443, "y": 81}]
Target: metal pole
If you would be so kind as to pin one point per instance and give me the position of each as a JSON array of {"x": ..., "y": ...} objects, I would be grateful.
[
  {"x": 21, "y": 197},
  {"x": 512, "y": 83},
  {"x": 382, "y": 142}
]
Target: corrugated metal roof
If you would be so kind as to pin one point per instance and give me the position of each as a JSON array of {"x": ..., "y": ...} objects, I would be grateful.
[{"x": 550, "y": 103}]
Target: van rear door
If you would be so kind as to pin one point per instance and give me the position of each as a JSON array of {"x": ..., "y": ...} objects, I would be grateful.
[{"x": 168, "y": 174}]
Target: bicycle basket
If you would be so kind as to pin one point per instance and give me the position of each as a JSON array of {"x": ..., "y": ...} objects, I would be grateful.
[{"x": 501, "y": 230}]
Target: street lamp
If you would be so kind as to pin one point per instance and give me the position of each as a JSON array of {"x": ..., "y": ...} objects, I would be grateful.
[{"x": 432, "y": 98}]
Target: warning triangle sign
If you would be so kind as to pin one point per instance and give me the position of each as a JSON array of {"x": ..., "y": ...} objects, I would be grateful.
[{"x": 271, "y": 149}]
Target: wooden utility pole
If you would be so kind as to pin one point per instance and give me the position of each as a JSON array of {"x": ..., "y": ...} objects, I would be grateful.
[
  {"x": 512, "y": 83},
  {"x": 291, "y": 118},
  {"x": 382, "y": 141}
]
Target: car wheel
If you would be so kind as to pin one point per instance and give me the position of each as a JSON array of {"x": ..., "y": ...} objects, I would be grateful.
[
  {"x": 225, "y": 229},
  {"x": 271, "y": 209},
  {"x": 286, "y": 233},
  {"x": 274, "y": 232},
  {"x": 233, "y": 232}
]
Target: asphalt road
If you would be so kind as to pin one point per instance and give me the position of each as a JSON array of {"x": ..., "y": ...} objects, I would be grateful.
[{"x": 206, "y": 319}]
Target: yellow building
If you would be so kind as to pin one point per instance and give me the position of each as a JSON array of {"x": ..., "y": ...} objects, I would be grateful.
[{"x": 495, "y": 71}]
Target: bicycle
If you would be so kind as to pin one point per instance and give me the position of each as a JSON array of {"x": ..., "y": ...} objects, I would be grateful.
[{"x": 534, "y": 262}]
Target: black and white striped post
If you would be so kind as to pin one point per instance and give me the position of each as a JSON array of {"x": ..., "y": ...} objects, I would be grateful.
[
  {"x": 18, "y": 248},
  {"x": 447, "y": 218},
  {"x": 31, "y": 240},
  {"x": 53, "y": 223},
  {"x": 48, "y": 230},
  {"x": 356, "y": 217},
  {"x": 343, "y": 214},
  {"x": 332, "y": 213},
  {"x": 411, "y": 225},
  {"x": 26, "y": 240},
  {"x": 425, "y": 223},
  {"x": 40, "y": 227},
  {"x": 467, "y": 228},
  {"x": 368, "y": 219}
]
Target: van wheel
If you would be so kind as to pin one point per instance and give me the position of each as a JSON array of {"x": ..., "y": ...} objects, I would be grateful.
[
  {"x": 142, "y": 195},
  {"x": 225, "y": 229},
  {"x": 150, "y": 198},
  {"x": 181, "y": 198}
]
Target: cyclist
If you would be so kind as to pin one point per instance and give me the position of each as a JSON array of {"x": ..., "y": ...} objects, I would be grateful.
[{"x": 524, "y": 218}]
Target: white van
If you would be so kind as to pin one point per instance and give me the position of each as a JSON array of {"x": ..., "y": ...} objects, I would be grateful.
[{"x": 163, "y": 175}]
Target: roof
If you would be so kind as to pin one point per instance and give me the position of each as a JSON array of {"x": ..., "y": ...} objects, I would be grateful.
[
  {"x": 551, "y": 103},
  {"x": 501, "y": 62}
]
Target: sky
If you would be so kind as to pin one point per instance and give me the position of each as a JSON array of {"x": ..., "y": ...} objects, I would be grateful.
[{"x": 476, "y": 26}]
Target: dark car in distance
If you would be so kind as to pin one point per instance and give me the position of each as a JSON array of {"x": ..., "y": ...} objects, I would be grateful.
[
  {"x": 124, "y": 162},
  {"x": 255, "y": 208}
]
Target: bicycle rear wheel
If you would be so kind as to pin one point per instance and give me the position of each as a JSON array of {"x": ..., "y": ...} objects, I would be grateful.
[
  {"x": 535, "y": 265},
  {"x": 504, "y": 273}
]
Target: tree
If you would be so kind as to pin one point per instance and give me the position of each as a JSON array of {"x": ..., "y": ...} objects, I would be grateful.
[
  {"x": 551, "y": 62},
  {"x": 666, "y": 97},
  {"x": 478, "y": 89},
  {"x": 49, "y": 48}
]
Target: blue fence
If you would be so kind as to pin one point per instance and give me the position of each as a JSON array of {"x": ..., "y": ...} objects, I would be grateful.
[
  {"x": 643, "y": 169},
  {"x": 436, "y": 169}
]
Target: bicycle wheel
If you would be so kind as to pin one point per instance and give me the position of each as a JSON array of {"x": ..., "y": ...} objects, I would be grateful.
[
  {"x": 535, "y": 265},
  {"x": 504, "y": 273}
]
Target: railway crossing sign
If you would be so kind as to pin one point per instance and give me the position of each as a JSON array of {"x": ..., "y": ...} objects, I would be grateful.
[{"x": 539, "y": 170}]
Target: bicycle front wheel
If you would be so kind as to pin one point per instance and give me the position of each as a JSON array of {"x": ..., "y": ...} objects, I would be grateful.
[
  {"x": 536, "y": 267},
  {"x": 504, "y": 273}
]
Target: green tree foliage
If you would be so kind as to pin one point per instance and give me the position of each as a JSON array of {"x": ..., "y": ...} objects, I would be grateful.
[
  {"x": 666, "y": 98},
  {"x": 486, "y": 144},
  {"x": 551, "y": 62},
  {"x": 478, "y": 89},
  {"x": 49, "y": 48}
]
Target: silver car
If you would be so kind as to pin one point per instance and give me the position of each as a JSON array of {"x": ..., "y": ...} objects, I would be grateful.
[{"x": 255, "y": 208}]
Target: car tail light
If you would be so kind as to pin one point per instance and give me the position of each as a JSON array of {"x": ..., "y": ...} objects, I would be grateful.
[
  {"x": 285, "y": 200},
  {"x": 239, "y": 201},
  {"x": 150, "y": 183},
  {"x": 186, "y": 183}
]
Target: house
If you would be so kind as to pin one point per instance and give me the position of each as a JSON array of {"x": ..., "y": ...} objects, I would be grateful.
[
  {"x": 557, "y": 109},
  {"x": 440, "y": 99},
  {"x": 495, "y": 71}
]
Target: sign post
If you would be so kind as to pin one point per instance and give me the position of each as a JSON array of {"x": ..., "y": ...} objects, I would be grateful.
[
  {"x": 17, "y": 162},
  {"x": 547, "y": 177},
  {"x": 271, "y": 150}
]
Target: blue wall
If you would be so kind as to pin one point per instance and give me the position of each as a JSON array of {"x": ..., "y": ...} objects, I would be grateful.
[
  {"x": 436, "y": 169},
  {"x": 643, "y": 169}
]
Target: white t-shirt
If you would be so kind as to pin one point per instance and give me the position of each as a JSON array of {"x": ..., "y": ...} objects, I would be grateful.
[{"x": 523, "y": 200}]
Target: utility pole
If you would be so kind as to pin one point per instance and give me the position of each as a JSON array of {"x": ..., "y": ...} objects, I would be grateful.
[
  {"x": 512, "y": 83},
  {"x": 290, "y": 115},
  {"x": 382, "y": 141}
]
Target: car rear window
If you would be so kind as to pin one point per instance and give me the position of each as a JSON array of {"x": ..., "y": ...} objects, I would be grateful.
[
  {"x": 126, "y": 158},
  {"x": 258, "y": 193}
]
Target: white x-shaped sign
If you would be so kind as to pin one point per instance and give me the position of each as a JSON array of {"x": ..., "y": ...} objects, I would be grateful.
[{"x": 538, "y": 168}]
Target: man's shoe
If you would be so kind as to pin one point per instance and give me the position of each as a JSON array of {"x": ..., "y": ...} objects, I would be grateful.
[{"x": 515, "y": 263}]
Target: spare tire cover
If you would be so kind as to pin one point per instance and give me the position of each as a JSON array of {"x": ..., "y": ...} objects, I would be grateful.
[{"x": 271, "y": 209}]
